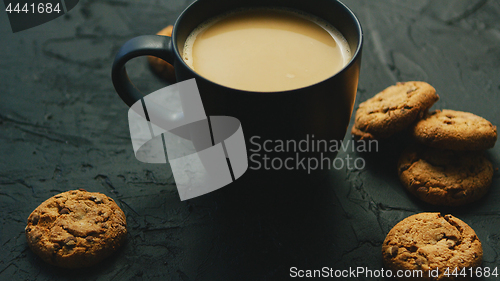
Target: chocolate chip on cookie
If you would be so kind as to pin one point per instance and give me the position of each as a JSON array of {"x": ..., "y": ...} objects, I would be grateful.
[
  {"x": 161, "y": 67},
  {"x": 430, "y": 241},
  {"x": 393, "y": 109},
  {"x": 76, "y": 229},
  {"x": 457, "y": 130},
  {"x": 445, "y": 177}
]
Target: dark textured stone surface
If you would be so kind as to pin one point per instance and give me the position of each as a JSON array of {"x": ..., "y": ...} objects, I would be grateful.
[{"x": 63, "y": 127}]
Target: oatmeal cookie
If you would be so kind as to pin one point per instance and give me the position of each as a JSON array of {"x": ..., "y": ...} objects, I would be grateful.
[
  {"x": 159, "y": 66},
  {"x": 457, "y": 130},
  {"x": 430, "y": 241},
  {"x": 393, "y": 109},
  {"x": 445, "y": 177},
  {"x": 76, "y": 228}
]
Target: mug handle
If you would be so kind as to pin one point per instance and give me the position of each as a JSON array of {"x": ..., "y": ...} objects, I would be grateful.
[{"x": 145, "y": 45}]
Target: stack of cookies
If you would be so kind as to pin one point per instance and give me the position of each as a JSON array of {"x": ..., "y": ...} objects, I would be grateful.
[{"x": 446, "y": 167}]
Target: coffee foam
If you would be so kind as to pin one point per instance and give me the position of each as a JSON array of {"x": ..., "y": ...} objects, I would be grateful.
[{"x": 336, "y": 35}]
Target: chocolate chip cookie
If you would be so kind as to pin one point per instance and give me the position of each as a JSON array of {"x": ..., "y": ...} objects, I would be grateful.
[
  {"x": 445, "y": 177},
  {"x": 76, "y": 229},
  {"x": 161, "y": 67},
  {"x": 457, "y": 130},
  {"x": 430, "y": 241},
  {"x": 393, "y": 109}
]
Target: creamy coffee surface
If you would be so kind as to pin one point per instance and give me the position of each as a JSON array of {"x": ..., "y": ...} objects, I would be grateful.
[{"x": 266, "y": 50}]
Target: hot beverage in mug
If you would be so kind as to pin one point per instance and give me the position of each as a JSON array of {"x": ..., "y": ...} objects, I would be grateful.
[{"x": 266, "y": 49}]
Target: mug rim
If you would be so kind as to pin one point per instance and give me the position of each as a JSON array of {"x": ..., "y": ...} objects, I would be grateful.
[{"x": 354, "y": 57}]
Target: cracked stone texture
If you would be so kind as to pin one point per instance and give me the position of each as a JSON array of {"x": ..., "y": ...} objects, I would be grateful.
[{"x": 63, "y": 127}]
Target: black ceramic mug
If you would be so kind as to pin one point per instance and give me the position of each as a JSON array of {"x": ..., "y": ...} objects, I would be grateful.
[{"x": 321, "y": 111}]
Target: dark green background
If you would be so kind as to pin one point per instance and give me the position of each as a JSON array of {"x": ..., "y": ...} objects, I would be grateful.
[{"x": 63, "y": 127}]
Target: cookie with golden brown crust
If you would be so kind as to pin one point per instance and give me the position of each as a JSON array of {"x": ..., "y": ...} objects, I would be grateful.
[
  {"x": 457, "y": 130},
  {"x": 445, "y": 177},
  {"x": 393, "y": 109},
  {"x": 161, "y": 67},
  {"x": 430, "y": 241},
  {"x": 76, "y": 229}
]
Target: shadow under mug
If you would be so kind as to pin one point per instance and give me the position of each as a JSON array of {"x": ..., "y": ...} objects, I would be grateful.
[{"x": 317, "y": 112}]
